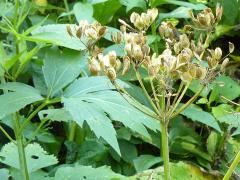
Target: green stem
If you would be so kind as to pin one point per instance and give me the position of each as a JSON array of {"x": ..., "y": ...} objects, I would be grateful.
[
  {"x": 21, "y": 151},
  {"x": 165, "y": 150},
  {"x": 145, "y": 91},
  {"x": 232, "y": 167},
  {"x": 67, "y": 10},
  {"x": 7, "y": 135},
  {"x": 73, "y": 126}
]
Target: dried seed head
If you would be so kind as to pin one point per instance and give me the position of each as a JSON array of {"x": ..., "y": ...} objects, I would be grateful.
[
  {"x": 126, "y": 65},
  {"x": 231, "y": 47},
  {"x": 224, "y": 64},
  {"x": 166, "y": 30},
  {"x": 145, "y": 50},
  {"x": 152, "y": 13},
  {"x": 112, "y": 58},
  {"x": 69, "y": 31},
  {"x": 101, "y": 31},
  {"x": 94, "y": 67},
  {"x": 137, "y": 52},
  {"x": 128, "y": 49},
  {"x": 79, "y": 33},
  {"x": 118, "y": 65},
  {"x": 184, "y": 41},
  {"x": 111, "y": 73},
  {"x": 218, "y": 53},
  {"x": 212, "y": 62},
  {"x": 201, "y": 73},
  {"x": 219, "y": 11}
]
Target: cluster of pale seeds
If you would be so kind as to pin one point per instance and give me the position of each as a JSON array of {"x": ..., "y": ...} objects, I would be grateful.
[{"x": 184, "y": 58}]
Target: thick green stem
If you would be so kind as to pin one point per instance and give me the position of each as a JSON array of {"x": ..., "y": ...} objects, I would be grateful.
[
  {"x": 21, "y": 151},
  {"x": 165, "y": 150},
  {"x": 234, "y": 164},
  {"x": 72, "y": 131}
]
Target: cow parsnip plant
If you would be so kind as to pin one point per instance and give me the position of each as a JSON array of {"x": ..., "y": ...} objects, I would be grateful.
[{"x": 184, "y": 59}]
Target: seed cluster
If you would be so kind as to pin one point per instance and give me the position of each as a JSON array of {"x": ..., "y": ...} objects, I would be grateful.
[{"x": 184, "y": 58}]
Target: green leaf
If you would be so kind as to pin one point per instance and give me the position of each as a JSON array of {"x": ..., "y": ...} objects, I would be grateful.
[
  {"x": 36, "y": 157},
  {"x": 91, "y": 152},
  {"x": 180, "y": 12},
  {"x": 20, "y": 96},
  {"x": 128, "y": 151},
  {"x": 145, "y": 162},
  {"x": 221, "y": 110},
  {"x": 201, "y": 116},
  {"x": 231, "y": 12},
  {"x": 57, "y": 34},
  {"x": 105, "y": 17},
  {"x": 212, "y": 142},
  {"x": 196, "y": 85},
  {"x": 96, "y": 1},
  {"x": 83, "y": 11},
  {"x": 4, "y": 174},
  {"x": 91, "y": 98},
  {"x": 87, "y": 172},
  {"x": 224, "y": 86},
  {"x": 55, "y": 115},
  {"x": 61, "y": 68},
  {"x": 232, "y": 119},
  {"x": 133, "y": 4},
  {"x": 179, "y": 3},
  {"x": 118, "y": 48}
]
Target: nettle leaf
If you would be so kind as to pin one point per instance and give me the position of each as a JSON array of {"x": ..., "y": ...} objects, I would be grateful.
[
  {"x": 57, "y": 34},
  {"x": 87, "y": 172},
  {"x": 224, "y": 86},
  {"x": 61, "y": 68},
  {"x": 19, "y": 96},
  {"x": 133, "y": 4},
  {"x": 196, "y": 114},
  {"x": 96, "y": 101},
  {"x": 4, "y": 174},
  {"x": 36, "y": 157},
  {"x": 145, "y": 162}
]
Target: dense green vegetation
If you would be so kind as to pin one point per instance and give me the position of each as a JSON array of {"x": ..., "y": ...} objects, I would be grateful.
[{"x": 119, "y": 89}]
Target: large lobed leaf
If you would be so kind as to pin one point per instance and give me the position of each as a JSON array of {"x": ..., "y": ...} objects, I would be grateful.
[
  {"x": 36, "y": 157},
  {"x": 19, "y": 96},
  {"x": 96, "y": 101},
  {"x": 61, "y": 68}
]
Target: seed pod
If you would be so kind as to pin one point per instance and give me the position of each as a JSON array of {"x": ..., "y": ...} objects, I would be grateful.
[
  {"x": 186, "y": 77},
  {"x": 128, "y": 49},
  {"x": 231, "y": 47},
  {"x": 134, "y": 17},
  {"x": 69, "y": 31},
  {"x": 137, "y": 52},
  {"x": 123, "y": 28},
  {"x": 102, "y": 31},
  {"x": 218, "y": 53},
  {"x": 118, "y": 65},
  {"x": 111, "y": 73},
  {"x": 212, "y": 62},
  {"x": 184, "y": 41},
  {"x": 224, "y": 64},
  {"x": 79, "y": 33},
  {"x": 146, "y": 61},
  {"x": 145, "y": 50},
  {"x": 152, "y": 70},
  {"x": 152, "y": 13},
  {"x": 94, "y": 67},
  {"x": 114, "y": 37},
  {"x": 126, "y": 65},
  {"x": 177, "y": 47},
  {"x": 192, "y": 71},
  {"x": 201, "y": 73},
  {"x": 112, "y": 58},
  {"x": 219, "y": 11},
  {"x": 119, "y": 38}
]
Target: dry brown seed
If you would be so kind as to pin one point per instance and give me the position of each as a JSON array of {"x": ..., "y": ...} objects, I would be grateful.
[
  {"x": 112, "y": 58},
  {"x": 102, "y": 31},
  {"x": 111, "y": 73},
  {"x": 79, "y": 33},
  {"x": 219, "y": 11},
  {"x": 94, "y": 67},
  {"x": 69, "y": 31}
]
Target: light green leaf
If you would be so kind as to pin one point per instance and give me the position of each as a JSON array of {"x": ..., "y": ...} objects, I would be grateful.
[
  {"x": 87, "y": 172},
  {"x": 180, "y": 3},
  {"x": 20, "y": 96},
  {"x": 224, "y": 86},
  {"x": 91, "y": 98},
  {"x": 61, "y": 68},
  {"x": 212, "y": 142},
  {"x": 55, "y": 115},
  {"x": 232, "y": 119},
  {"x": 105, "y": 17},
  {"x": 221, "y": 110},
  {"x": 36, "y": 157},
  {"x": 96, "y": 1},
  {"x": 83, "y": 11},
  {"x": 118, "y": 48},
  {"x": 201, "y": 116},
  {"x": 4, "y": 174},
  {"x": 57, "y": 34},
  {"x": 145, "y": 162},
  {"x": 130, "y": 4}
]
